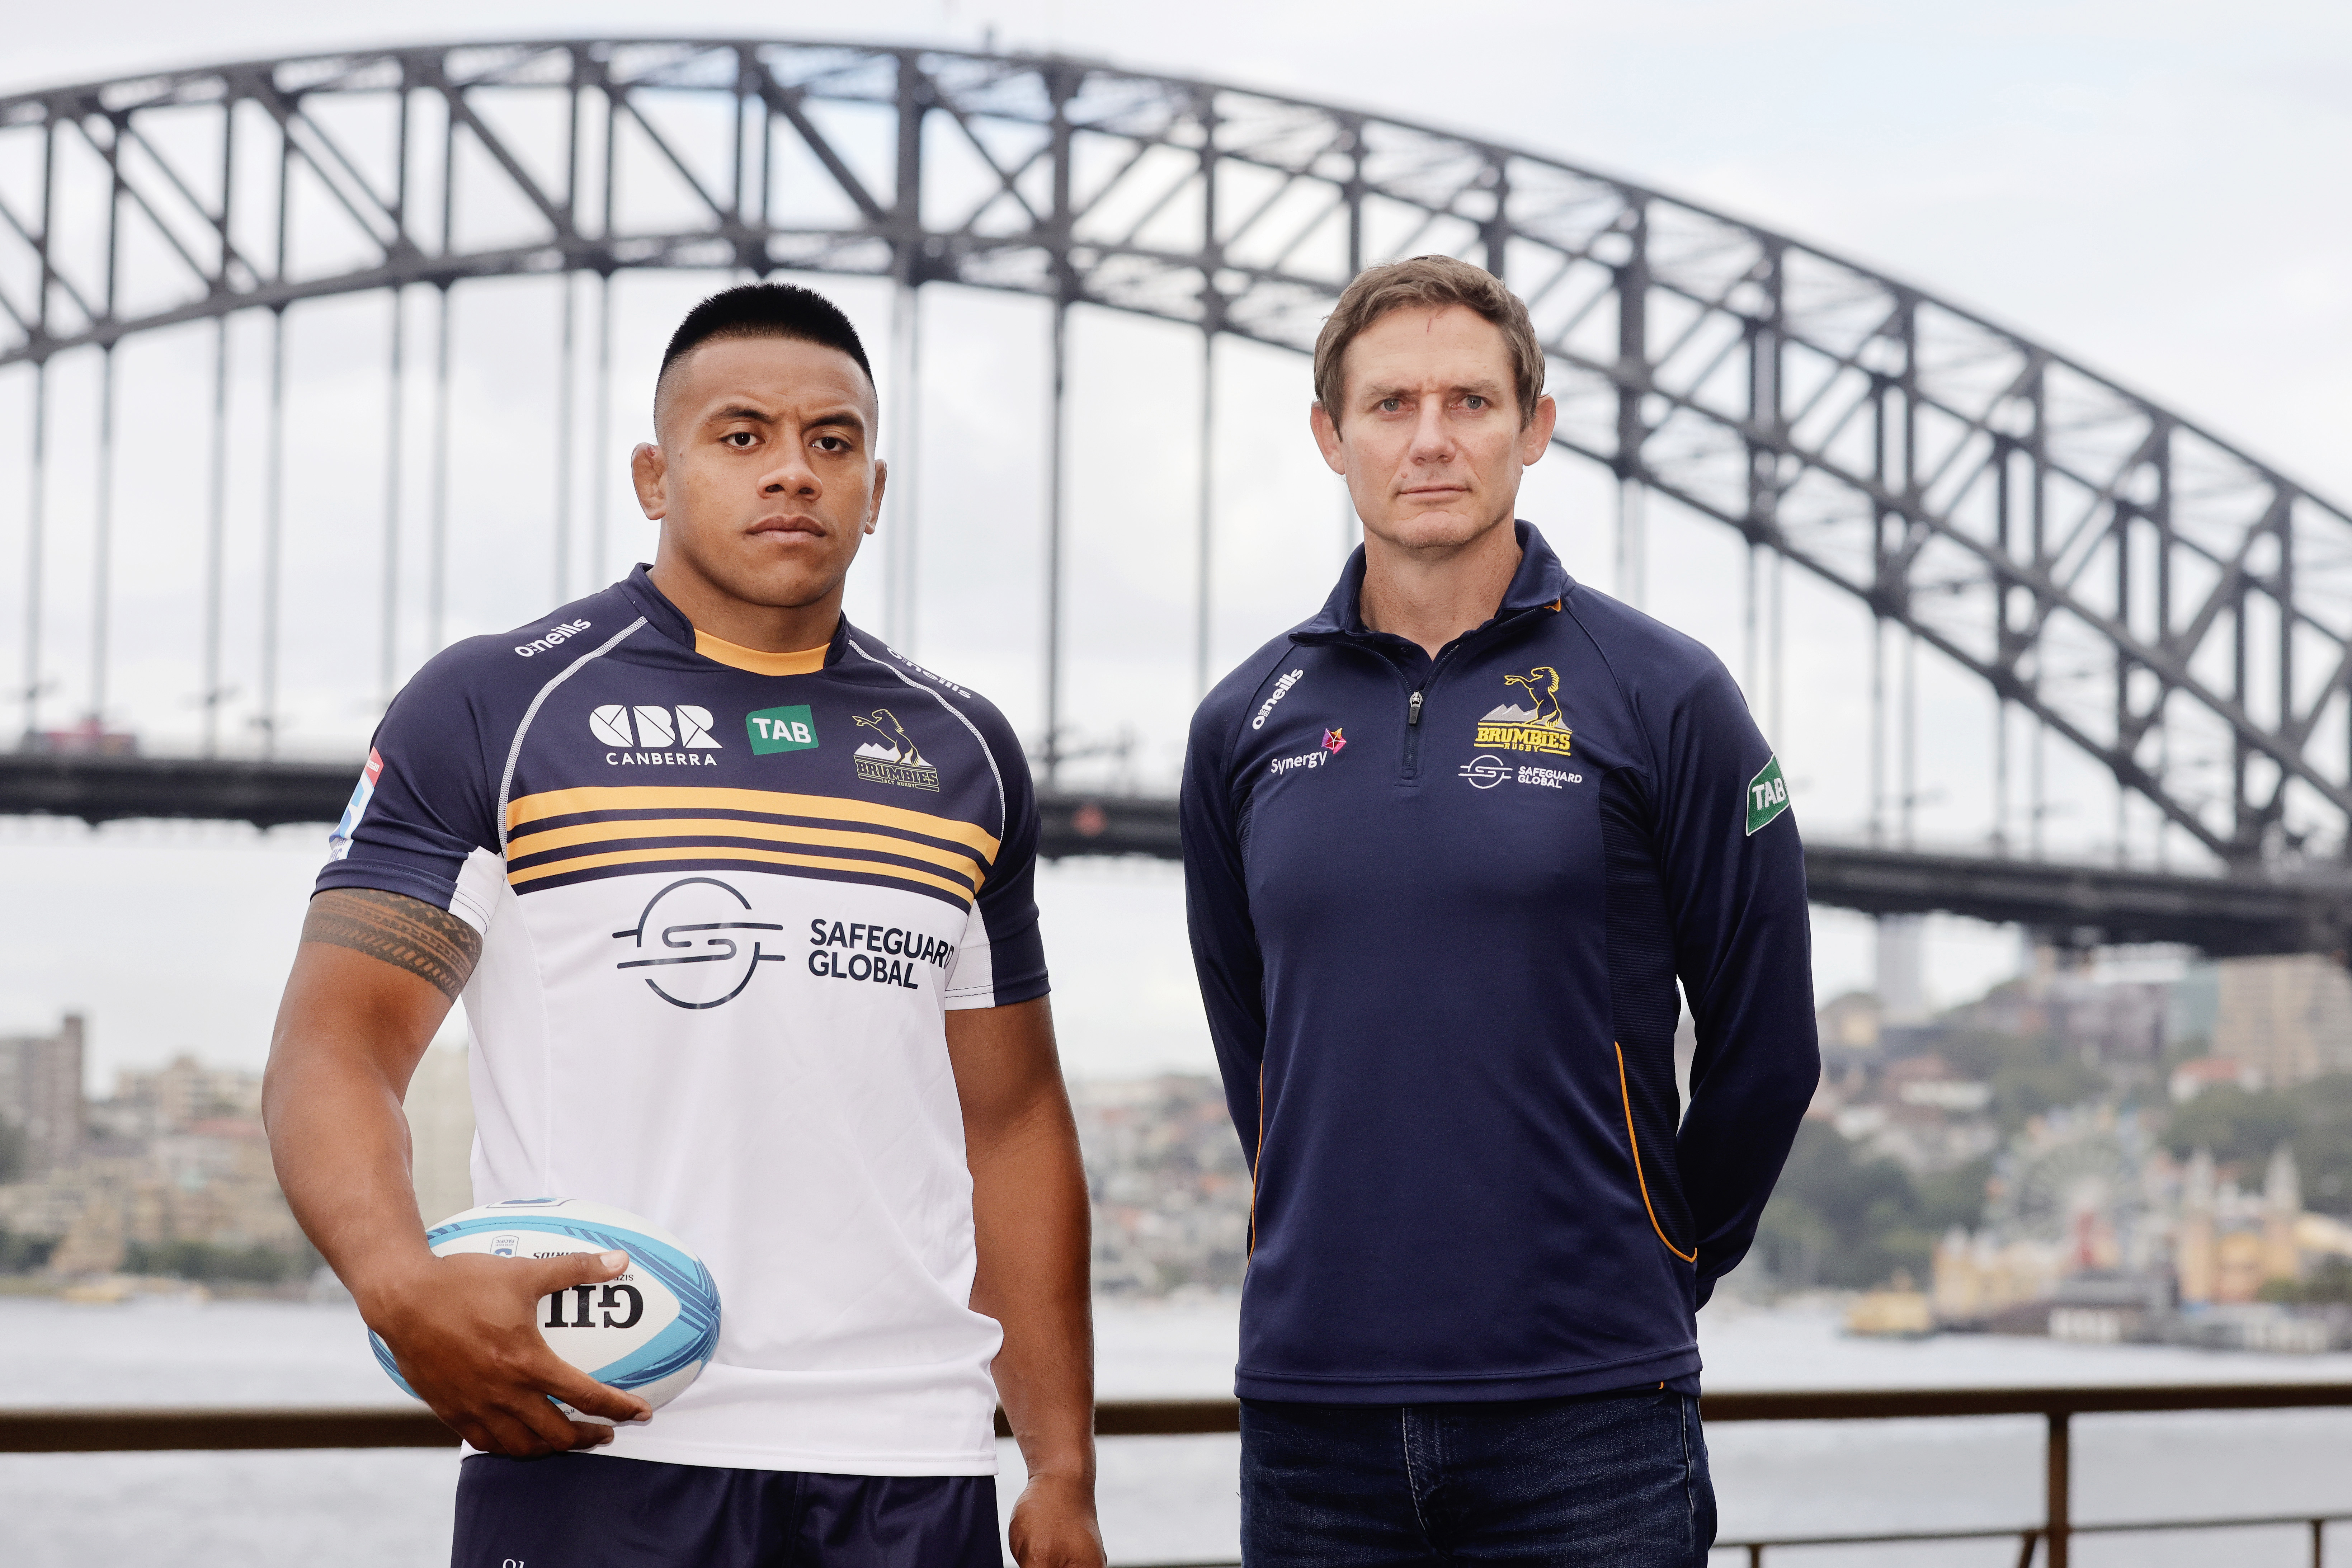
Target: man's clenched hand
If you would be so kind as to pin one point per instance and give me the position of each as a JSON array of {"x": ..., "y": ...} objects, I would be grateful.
[{"x": 1053, "y": 1525}]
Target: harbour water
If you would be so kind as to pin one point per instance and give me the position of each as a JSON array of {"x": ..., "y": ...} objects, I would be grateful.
[{"x": 1171, "y": 1500}]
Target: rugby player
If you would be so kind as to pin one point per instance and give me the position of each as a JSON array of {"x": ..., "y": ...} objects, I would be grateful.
[
  {"x": 739, "y": 901},
  {"x": 1449, "y": 843}
]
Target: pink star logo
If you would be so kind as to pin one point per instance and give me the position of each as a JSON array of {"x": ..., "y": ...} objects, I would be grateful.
[{"x": 1334, "y": 743}]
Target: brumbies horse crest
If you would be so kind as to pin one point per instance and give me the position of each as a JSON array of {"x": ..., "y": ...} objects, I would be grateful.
[
  {"x": 1538, "y": 728},
  {"x": 891, "y": 757}
]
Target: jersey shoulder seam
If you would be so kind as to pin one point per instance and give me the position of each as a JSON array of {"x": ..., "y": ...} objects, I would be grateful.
[
  {"x": 522, "y": 726},
  {"x": 1003, "y": 803},
  {"x": 1274, "y": 655},
  {"x": 1617, "y": 679}
]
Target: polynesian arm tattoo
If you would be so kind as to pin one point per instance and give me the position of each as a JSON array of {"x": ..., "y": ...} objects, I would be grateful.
[{"x": 407, "y": 933}]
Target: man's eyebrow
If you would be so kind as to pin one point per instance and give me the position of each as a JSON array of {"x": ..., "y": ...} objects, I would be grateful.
[
  {"x": 728, "y": 413},
  {"x": 1375, "y": 392}
]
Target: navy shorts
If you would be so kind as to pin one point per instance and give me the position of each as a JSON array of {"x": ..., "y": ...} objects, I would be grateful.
[{"x": 580, "y": 1511}]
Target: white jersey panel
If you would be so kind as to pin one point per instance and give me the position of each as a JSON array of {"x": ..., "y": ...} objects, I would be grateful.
[
  {"x": 972, "y": 982},
  {"x": 692, "y": 1025}
]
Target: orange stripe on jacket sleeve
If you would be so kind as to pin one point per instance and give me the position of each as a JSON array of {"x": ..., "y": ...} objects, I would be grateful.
[{"x": 1642, "y": 1181}]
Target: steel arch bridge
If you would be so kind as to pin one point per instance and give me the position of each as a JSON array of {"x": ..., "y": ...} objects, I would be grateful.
[{"x": 2174, "y": 609}]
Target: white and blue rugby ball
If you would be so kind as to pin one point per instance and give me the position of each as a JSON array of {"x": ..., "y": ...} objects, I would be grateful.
[{"x": 651, "y": 1331}]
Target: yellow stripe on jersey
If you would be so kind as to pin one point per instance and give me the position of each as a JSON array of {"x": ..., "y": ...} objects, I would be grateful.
[
  {"x": 549, "y": 839},
  {"x": 807, "y": 661},
  {"x": 767, "y": 803},
  {"x": 719, "y": 852}
]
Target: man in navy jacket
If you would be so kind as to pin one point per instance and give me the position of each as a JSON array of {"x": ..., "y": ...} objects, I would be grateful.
[{"x": 1449, "y": 845}]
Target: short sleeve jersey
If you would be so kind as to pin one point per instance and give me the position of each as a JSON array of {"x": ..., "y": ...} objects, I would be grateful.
[{"x": 725, "y": 899}]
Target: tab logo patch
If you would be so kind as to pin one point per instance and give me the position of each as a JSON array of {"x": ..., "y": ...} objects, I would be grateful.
[
  {"x": 1768, "y": 796},
  {"x": 775, "y": 730}
]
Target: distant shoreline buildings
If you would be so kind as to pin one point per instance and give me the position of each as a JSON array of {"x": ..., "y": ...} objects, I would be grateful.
[
  {"x": 2092, "y": 1228},
  {"x": 170, "y": 1174}
]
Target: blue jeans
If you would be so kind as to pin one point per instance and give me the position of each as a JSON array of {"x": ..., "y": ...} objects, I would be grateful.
[{"x": 1617, "y": 1480}]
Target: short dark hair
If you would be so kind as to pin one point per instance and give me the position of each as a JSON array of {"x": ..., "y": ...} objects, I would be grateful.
[{"x": 766, "y": 311}]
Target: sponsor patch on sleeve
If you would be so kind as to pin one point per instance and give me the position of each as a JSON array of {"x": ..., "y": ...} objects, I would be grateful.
[
  {"x": 1768, "y": 796},
  {"x": 338, "y": 843}
]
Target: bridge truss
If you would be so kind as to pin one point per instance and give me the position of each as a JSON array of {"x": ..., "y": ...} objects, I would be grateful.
[{"x": 2169, "y": 607}]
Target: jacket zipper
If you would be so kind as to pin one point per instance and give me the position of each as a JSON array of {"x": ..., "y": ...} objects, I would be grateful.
[{"x": 1413, "y": 706}]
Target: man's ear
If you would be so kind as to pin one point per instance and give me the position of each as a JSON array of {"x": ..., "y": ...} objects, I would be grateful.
[
  {"x": 1536, "y": 439},
  {"x": 649, "y": 472},
  {"x": 1326, "y": 435},
  {"x": 874, "y": 507}
]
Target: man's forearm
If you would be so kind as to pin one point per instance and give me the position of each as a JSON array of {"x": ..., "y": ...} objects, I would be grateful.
[
  {"x": 339, "y": 1143},
  {"x": 373, "y": 979},
  {"x": 1031, "y": 1221}
]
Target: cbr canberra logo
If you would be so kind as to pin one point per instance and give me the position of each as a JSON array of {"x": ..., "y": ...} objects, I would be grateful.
[
  {"x": 657, "y": 728},
  {"x": 704, "y": 950}
]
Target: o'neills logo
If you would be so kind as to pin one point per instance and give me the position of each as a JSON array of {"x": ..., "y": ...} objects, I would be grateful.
[
  {"x": 1281, "y": 689},
  {"x": 563, "y": 633},
  {"x": 1536, "y": 728}
]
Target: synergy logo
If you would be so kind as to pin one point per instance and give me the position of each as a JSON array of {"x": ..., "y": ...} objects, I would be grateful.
[
  {"x": 892, "y": 757},
  {"x": 656, "y": 730},
  {"x": 1334, "y": 742},
  {"x": 694, "y": 964},
  {"x": 1536, "y": 728},
  {"x": 775, "y": 730}
]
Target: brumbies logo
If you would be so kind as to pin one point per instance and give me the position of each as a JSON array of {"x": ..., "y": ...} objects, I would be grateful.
[
  {"x": 694, "y": 964},
  {"x": 892, "y": 757},
  {"x": 1536, "y": 728}
]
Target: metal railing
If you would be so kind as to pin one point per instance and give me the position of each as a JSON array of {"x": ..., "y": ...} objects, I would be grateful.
[{"x": 96, "y": 1430}]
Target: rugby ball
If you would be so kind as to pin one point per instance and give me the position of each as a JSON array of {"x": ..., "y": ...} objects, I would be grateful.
[{"x": 650, "y": 1331}]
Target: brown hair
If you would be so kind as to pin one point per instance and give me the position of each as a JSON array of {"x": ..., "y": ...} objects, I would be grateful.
[{"x": 1433, "y": 281}]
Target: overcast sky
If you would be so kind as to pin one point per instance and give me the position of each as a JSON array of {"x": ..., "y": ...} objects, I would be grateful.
[{"x": 2162, "y": 189}]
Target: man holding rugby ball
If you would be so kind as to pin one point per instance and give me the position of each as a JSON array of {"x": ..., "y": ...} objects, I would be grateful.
[{"x": 739, "y": 902}]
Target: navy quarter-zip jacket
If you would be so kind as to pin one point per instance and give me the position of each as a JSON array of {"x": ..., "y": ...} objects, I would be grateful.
[{"x": 1438, "y": 909}]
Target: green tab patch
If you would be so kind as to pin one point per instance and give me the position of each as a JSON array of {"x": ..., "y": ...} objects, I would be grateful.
[
  {"x": 1768, "y": 796},
  {"x": 784, "y": 729}
]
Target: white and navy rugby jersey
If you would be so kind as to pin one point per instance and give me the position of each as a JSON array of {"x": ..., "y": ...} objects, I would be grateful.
[{"x": 725, "y": 897}]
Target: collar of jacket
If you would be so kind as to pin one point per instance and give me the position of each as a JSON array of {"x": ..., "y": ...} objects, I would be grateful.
[{"x": 1541, "y": 582}]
